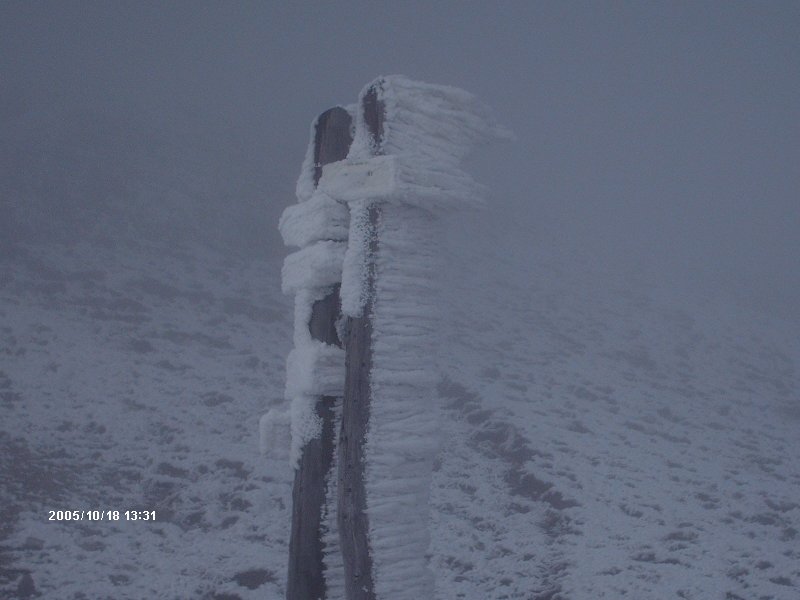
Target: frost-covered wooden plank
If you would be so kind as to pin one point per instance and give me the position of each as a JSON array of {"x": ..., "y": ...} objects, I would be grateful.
[
  {"x": 351, "y": 180},
  {"x": 315, "y": 369}
]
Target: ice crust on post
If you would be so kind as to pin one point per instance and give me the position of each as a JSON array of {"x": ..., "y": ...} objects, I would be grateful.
[
  {"x": 318, "y": 218},
  {"x": 317, "y": 266},
  {"x": 414, "y": 174}
]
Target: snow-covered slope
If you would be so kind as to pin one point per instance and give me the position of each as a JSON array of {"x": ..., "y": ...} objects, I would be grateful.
[{"x": 604, "y": 437}]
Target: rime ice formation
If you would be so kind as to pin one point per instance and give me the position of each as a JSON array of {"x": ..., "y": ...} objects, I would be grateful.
[
  {"x": 318, "y": 225},
  {"x": 317, "y": 266},
  {"x": 318, "y": 218},
  {"x": 413, "y": 174}
]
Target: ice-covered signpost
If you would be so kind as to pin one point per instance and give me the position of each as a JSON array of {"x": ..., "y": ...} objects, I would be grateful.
[{"x": 400, "y": 176}]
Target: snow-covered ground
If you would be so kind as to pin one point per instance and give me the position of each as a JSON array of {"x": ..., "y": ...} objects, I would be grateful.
[
  {"x": 602, "y": 438},
  {"x": 132, "y": 379}
]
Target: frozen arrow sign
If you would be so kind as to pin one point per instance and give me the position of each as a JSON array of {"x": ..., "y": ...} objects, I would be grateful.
[
  {"x": 348, "y": 181},
  {"x": 398, "y": 179}
]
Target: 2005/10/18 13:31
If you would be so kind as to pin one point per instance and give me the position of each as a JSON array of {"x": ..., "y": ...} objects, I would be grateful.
[{"x": 101, "y": 515}]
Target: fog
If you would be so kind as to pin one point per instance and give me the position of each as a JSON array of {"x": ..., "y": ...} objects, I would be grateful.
[
  {"x": 616, "y": 358},
  {"x": 663, "y": 138}
]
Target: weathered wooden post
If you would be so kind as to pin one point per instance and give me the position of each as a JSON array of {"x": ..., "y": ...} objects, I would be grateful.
[
  {"x": 368, "y": 227},
  {"x": 319, "y": 225}
]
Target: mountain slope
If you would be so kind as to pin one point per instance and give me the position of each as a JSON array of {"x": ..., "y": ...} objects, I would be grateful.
[{"x": 601, "y": 436}]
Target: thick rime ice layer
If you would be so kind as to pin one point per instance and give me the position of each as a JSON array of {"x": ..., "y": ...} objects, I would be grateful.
[
  {"x": 430, "y": 126},
  {"x": 402, "y": 439},
  {"x": 315, "y": 266},
  {"x": 319, "y": 218},
  {"x": 428, "y": 130}
]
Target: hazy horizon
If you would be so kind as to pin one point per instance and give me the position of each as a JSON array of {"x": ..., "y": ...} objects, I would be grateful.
[{"x": 663, "y": 138}]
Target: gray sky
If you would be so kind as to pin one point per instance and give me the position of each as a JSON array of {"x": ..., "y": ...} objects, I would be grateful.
[{"x": 666, "y": 134}]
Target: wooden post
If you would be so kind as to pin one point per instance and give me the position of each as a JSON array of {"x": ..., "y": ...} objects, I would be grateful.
[
  {"x": 306, "y": 580},
  {"x": 352, "y": 517}
]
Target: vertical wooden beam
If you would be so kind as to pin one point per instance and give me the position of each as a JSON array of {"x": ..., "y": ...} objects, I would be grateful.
[
  {"x": 352, "y": 517},
  {"x": 332, "y": 139}
]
